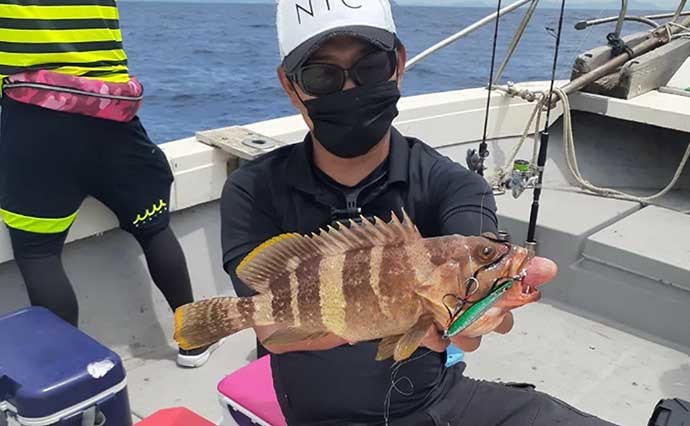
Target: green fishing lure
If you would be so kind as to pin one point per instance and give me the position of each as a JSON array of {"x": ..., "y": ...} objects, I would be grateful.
[{"x": 474, "y": 312}]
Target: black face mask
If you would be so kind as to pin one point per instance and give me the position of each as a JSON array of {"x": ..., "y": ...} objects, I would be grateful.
[{"x": 350, "y": 123}]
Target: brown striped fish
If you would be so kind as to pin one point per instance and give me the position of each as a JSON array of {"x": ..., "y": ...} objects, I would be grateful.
[{"x": 364, "y": 281}]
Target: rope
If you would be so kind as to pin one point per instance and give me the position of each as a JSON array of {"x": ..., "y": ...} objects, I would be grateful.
[
  {"x": 679, "y": 26},
  {"x": 501, "y": 173},
  {"x": 684, "y": 33},
  {"x": 578, "y": 190},
  {"x": 571, "y": 156},
  {"x": 571, "y": 160}
]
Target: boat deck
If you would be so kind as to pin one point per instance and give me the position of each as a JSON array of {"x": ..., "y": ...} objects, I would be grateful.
[{"x": 597, "y": 368}]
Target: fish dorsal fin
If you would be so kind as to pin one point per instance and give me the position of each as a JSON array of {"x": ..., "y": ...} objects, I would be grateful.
[
  {"x": 284, "y": 253},
  {"x": 273, "y": 258},
  {"x": 366, "y": 234}
]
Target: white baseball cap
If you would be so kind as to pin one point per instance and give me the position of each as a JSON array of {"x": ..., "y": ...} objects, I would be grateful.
[{"x": 304, "y": 25}]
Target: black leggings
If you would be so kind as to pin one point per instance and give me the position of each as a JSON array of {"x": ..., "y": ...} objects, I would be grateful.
[{"x": 39, "y": 257}]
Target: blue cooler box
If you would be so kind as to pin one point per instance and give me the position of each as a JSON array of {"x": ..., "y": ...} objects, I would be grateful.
[{"x": 53, "y": 374}]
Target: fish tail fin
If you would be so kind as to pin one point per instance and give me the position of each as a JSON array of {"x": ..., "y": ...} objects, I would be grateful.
[{"x": 205, "y": 322}]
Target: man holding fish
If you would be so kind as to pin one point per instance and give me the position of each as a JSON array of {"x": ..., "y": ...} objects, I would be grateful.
[{"x": 353, "y": 251}]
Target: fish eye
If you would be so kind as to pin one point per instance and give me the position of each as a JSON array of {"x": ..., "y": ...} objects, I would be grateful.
[{"x": 488, "y": 252}]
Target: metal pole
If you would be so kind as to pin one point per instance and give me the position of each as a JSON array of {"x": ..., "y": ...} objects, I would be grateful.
[
  {"x": 681, "y": 6},
  {"x": 544, "y": 145},
  {"x": 516, "y": 39},
  {"x": 621, "y": 17},
  {"x": 466, "y": 31},
  {"x": 658, "y": 38},
  {"x": 644, "y": 19},
  {"x": 667, "y": 15}
]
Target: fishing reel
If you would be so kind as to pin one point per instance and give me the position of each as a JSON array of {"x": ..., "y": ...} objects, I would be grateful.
[
  {"x": 475, "y": 160},
  {"x": 523, "y": 176}
]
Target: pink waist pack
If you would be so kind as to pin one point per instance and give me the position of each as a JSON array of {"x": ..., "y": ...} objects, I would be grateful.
[{"x": 78, "y": 95}]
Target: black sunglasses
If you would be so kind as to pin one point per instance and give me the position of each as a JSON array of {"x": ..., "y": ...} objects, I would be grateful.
[{"x": 320, "y": 79}]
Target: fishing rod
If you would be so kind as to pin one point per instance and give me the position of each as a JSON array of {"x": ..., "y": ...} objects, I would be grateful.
[
  {"x": 531, "y": 242},
  {"x": 475, "y": 161}
]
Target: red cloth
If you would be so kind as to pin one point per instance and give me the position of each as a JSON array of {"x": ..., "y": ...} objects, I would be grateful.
[{"x": 178, "y": 416}]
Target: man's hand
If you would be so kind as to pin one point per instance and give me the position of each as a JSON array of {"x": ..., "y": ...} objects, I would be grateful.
[{"x": 434, "y": 340}]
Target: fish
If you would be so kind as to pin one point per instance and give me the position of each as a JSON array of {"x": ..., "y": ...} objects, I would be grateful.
[{"x": 366, "y": 280}]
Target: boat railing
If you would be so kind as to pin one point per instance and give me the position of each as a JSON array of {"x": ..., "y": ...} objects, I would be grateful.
[
  {"x": 621, "y": 17},
  {"x": 659, "y": 36},
  {"x": 466, "y": 31},
  {"x": 650, "y": 20}
]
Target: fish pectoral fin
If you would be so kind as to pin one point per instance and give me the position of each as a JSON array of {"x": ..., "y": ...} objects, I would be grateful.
[
  {"x": 411, "y": 340},
  {"x": 387, "y": 347},
  {"x": 292, "y": 335}
]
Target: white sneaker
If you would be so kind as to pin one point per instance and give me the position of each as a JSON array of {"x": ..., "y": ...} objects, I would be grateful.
[{"x": 197, "y": 357}]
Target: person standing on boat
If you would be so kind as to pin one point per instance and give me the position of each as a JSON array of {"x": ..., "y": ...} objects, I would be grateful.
[
  {"x": 342, "y": 69},
  {"x": 69, "y": 129}
]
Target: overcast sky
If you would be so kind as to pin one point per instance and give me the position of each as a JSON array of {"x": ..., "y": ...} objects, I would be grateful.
[{"x": 614, "y": 4}]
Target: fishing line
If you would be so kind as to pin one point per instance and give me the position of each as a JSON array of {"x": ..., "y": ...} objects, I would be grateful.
[
  {"x": 394, "y": 384},
  {"x": 588, "y": 33},
  {"x": 483, "y": 152},
  {"x": 481, "y": 214}
]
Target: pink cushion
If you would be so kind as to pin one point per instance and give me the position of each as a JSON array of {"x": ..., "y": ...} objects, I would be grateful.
[{"x": 252, "y": 388}]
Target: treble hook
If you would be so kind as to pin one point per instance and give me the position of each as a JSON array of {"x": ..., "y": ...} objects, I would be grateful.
[
  {"x": 457, "y": 302},
  {"x": 471, "y": 288},
  {"x": 469, "y": 293}
]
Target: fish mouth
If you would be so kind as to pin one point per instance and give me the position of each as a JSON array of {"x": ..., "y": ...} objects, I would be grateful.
[
  {"x": 537, "y": 271},
  {"x": 527, "y": 292}
]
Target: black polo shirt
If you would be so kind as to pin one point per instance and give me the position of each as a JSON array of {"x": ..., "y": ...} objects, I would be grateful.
[{"x": 283, "y": 191}]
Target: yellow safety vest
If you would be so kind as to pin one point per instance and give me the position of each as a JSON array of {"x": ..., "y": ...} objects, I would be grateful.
[{"x": 75, "y": 37}]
